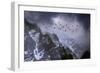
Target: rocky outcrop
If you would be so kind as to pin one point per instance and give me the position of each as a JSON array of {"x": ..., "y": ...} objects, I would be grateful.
[{"x": 41, "y": 47}]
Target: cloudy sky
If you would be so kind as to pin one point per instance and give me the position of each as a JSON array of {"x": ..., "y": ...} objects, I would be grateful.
[{"x": 66, "y": 25}]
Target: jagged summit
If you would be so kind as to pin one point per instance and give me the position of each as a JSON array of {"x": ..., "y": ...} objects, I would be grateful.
[{"x": 40, "y": 47}]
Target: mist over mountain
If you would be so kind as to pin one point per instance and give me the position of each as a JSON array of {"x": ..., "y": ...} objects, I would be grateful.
[{"x": 56, "y": 36}]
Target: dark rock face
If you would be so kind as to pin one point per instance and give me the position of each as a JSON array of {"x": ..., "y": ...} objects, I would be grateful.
[
  {"x": 86, "y": 55},
  {"x": 42, "y": 47},
  {"x": 28, "y": 50}
]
